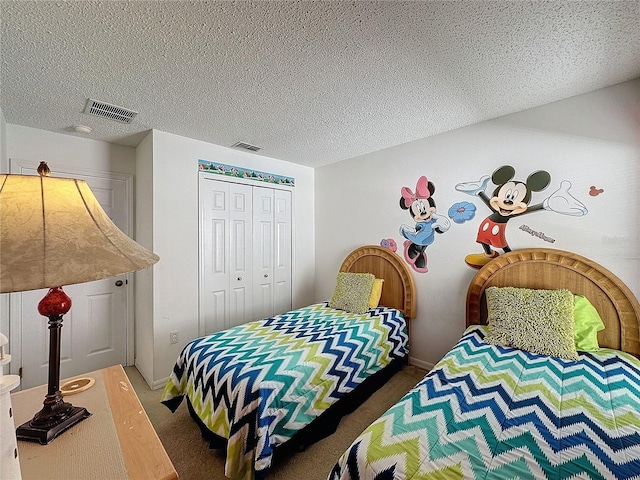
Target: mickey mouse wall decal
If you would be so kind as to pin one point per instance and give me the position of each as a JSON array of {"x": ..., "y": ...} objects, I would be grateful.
[
  {"x": 511, "y": 198},
  {"x": 422, "y": 209}
]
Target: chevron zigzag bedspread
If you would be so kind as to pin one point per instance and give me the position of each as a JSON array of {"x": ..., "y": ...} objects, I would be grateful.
[
  {"x": 487, "y": 412},
  {"x": 257, "y": 384}
]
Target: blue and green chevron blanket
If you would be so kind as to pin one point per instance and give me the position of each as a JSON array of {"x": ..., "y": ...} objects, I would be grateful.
[
  {"x": 487, "y": 412},
  {"x": 257, "y": 384}
]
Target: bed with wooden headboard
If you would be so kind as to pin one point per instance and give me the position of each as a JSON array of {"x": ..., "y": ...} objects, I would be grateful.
[
  {"x": 282, "y": 382},
  {"x": 544, "y": 268},
  {"x": 494, "y": 410}
]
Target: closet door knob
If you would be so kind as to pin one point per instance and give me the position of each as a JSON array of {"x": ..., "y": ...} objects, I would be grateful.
[
  {"x": 239, "y": 278},
  {"x": 266, "y": 275}
]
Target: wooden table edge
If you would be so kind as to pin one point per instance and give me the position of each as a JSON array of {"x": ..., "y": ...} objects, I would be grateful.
[{"x": 144, "y": 455}]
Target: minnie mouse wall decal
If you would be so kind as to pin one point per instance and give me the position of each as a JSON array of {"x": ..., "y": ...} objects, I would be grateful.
[{"x": 422, "y": 208}]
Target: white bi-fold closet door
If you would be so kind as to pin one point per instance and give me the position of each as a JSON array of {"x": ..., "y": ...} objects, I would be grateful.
[{"x": 245, "y": 253}]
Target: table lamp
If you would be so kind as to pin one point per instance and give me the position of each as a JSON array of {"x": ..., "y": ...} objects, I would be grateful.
[{"x": 53, "y": 232}]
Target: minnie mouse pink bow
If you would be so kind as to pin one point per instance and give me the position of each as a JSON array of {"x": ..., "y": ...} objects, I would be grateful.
[{"x": 422, "y": 191}]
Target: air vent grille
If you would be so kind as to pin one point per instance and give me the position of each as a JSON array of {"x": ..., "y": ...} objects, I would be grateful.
[
  {"x": 111, "y": 112},
  {"x": 246, "y": 146}
]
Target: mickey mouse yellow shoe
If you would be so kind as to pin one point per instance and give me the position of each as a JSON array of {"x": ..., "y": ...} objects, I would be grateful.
[{"x": 479, "y": 260}]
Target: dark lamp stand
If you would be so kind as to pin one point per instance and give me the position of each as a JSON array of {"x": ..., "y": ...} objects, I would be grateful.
[{"x": 56, "y": 415}]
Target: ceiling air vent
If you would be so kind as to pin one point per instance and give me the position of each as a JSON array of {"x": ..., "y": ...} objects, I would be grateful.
[
  {"x": 111, "y": 112},
  {"x": 246, "y": 146}
]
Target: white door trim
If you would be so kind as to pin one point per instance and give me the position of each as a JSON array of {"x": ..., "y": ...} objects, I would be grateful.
[{"x": 15, "y": 314}]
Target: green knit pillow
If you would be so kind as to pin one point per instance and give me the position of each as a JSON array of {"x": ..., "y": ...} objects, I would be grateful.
[
  {"x": 539, "y": 321},
  {"x": 352, "y": 292}
]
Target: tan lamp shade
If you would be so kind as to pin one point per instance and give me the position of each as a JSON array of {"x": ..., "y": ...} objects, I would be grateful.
[{"x": 54, "y": 232}]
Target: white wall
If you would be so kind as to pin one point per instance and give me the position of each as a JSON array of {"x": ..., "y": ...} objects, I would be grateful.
[
  {"x": 4, "y": 161},
  {"x": 591, "y": 139},
  {"x": 4, "y": 168},
  {"x": 175, "y": 236},
  {"x": 32, "y": 144},
  {"x": 144, "y": 343}
]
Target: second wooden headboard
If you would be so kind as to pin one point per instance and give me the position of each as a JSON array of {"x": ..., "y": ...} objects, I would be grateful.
[
  {"x": 399, "y": 290},
  {"x": 545, "y": 268}
]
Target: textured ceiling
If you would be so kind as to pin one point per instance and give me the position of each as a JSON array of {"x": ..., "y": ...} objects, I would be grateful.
[{"x": 309, "y": 82}]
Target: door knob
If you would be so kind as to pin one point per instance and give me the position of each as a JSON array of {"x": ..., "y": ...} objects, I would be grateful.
[
  {"x": 239, "y": 278},
  {"x": 119, "y": 283},
  {"x": 266, "y": 275}
]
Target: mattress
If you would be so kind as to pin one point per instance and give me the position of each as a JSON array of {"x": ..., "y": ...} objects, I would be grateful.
[
  {"x": 488, "y": 412},
  {"x": 259, "y": 383}
]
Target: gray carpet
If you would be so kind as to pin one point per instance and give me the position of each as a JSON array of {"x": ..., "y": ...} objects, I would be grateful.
[{"x": 194, "y": 460}]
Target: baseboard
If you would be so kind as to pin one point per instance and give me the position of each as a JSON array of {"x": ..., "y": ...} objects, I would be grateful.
[
  {"x": 159, "y": 383},
  {"x": 152, "y": 385},
  {"x": 420, "y": 363}
]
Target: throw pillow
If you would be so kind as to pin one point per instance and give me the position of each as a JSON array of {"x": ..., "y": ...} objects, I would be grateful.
[
  {"x": 352, "y": 292},
  {"x": 539, "y": 321},
  {"x": 587, "y": 324},
  {"x": 376, "y": 293}
]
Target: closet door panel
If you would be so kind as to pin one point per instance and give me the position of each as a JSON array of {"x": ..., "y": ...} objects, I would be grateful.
[
  {"x": 214, "y": 264},
  {"x": 263, "y": 256},
  {"x": 218, "y": 311},
  {"x": 283, "y": 250},
  {"x": 246, "y": 253},
  {"x": 240, "y": 306},
  {"x": 282, "y": 297},
  {"x": 263, "y": 301},
  {"x": 241, "y": 245},
  {"x": 218, "y": 298}
]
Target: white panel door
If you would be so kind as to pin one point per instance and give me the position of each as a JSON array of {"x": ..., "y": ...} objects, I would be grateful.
[
  {"x": 214, "y": 262},
  {"x": 263, "y": 258},
  {"x": 245, "y": 267},
  {"x": 282, "y": 251},
  {"x": 225, "y": 267},
  {"x": 94, "y": 332},
  {"x": 241, "y": 268}
]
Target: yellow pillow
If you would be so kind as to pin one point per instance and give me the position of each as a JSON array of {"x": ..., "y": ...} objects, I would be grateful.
[{"x": 376, "y": 293}]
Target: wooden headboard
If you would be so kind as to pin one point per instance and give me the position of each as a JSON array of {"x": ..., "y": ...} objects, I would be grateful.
[
  {"x": 398, "y": 290},
  {"x": 545, "y": 268}
]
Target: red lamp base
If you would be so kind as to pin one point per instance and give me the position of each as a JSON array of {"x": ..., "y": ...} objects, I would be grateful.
[{"x": 56, "y": 415}]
